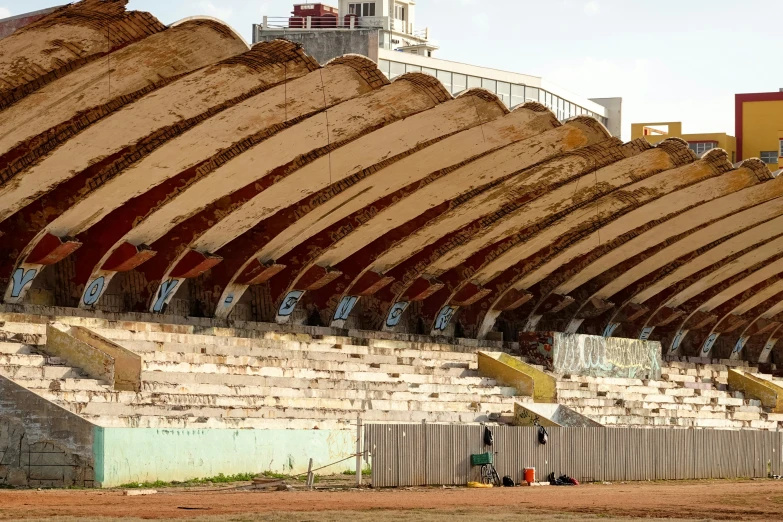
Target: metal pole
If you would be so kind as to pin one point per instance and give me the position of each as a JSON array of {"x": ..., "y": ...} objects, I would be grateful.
[
  {"x": 358, "y": 450},
  {"x": 310, "y": 475},
  {"x": 266, "y": 22}
]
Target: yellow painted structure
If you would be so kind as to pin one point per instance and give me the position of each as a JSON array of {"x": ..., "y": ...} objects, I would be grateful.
[
  {"x": 770, "y": 394},
  {"x": 759, "y": 123},
  {"x": 654, "y": 133},
  {"x": 510, "y": 371}
]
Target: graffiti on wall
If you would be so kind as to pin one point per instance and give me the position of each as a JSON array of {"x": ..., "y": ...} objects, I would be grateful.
[
  {"x": 594, "y": 356},
  {"x": 288, "y": 305},
  {"x": 345, "y": 307},
  {"x": 395, "y": 314},
  {"x": 21, "y": 279},
  {"x": 444, "y": 318},
  {"x": 165, "y": 293}
]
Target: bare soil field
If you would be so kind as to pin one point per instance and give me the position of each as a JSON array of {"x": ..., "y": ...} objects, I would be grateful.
[{"x": 701, "y": 500}]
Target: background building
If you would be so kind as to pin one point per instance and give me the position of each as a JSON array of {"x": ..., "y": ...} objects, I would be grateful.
[
  {"x": 385, "y": 31},
  {"x": 759, "y": 127},
  {"x": 13, "y": 23},
  {"x": 656, "y": 132}
]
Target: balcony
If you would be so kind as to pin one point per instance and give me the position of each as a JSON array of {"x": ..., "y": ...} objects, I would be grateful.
[{"x": 349, "y": 22}]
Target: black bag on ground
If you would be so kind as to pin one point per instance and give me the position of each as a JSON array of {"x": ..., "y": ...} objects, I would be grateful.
[
  {"x": 488, "y": 437},
  {"x": 543, "y": 435},
  {"x": 508, "y": 482}
]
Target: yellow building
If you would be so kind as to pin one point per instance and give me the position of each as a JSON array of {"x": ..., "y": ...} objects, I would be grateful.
[
  {"x": 759, "y": 127},
  {"x": 655, "y": 132}
]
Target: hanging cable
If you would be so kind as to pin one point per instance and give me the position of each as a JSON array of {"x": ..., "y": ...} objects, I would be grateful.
[{"x": 326, "y": 113}]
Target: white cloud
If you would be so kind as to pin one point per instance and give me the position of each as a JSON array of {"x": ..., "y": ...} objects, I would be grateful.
[
  {"x": 223, "y": 13},
  {"x": 592, "y": 7},
  {"x": 4, "y": 12}
]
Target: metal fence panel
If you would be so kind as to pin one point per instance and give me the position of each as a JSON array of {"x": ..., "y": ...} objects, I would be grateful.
[{"x": 412, "y": 455}]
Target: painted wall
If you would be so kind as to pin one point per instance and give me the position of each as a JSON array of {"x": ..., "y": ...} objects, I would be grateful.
[
  {"x": 325, "y": 45},
  {"x": 594, "y": 356},
  {"x": 125, "y": 455},
  {"x": 725, "y": 141},
  {"x": 761, "y": 126}
]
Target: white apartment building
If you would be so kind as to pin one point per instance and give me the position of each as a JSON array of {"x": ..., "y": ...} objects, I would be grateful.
[{"x": 402, "y": 47}]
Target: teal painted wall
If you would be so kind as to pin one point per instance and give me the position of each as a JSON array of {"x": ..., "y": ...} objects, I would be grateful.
[{"x": 125, "y": 455}]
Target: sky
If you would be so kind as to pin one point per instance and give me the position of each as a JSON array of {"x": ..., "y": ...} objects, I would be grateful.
[{"x": 670, "y": 60}]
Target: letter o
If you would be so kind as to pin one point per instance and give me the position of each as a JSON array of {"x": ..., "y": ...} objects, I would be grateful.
[{"x": 93, "y": 291}]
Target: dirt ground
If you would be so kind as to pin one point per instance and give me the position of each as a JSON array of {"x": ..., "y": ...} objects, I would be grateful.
[{"x": 702, "y": 500}]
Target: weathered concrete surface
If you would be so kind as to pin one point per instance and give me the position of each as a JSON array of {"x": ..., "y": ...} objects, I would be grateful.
[
  {"x": 513, "y": 372},
  {"x": 65, "y": 40},
  {"x": 554, "y": 415},
  {"x": 769, "y": 393},
  {"x": 325, "y": 45},
  {"x": 126, "y": 364},
  {"x": 593, "y": 356},
  {"x": 42, "y": 444},
  {"x": 95, "y": 363}
]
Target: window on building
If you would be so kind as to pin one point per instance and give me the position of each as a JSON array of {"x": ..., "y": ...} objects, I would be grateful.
[
  {"x": 399, "y": 12},
  {"x": 427, "y": 70},
  {"x": 473, "y": 82},
  {"x": 769, "y": 156},
  {"x": 445, "y": 79},
  {"x": 459, "y": 83},
  {"x": 531, "y": 94},
  {"x": 781, "y": 148},
  {"x": 384, "y": 65},
  {"x": 490, "y": 85},
  {"x": 362, "y": 9},
  {"x": 517, "y": 95},
  {"x": 412, "y": 68},
  {"x": 396, "y": 69},
  {"x": 702, "y": 147},
  {"x": 504, "y": 93}
]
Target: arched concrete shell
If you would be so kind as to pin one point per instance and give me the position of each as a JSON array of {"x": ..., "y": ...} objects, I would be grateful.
[{"x": 177, "y": 171}]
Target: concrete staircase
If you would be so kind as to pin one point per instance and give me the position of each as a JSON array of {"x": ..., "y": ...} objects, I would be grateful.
[
  {"x": 265, "y": 380},
  {"x": 689, "y": 395}
]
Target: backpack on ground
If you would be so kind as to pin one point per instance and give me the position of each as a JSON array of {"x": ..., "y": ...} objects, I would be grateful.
[{"x": 508, "y": 482}]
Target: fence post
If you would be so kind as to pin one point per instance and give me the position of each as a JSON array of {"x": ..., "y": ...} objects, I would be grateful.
[
  {"x": 358, "y": 450},
  {"x": 309, "y": 22},
  {"x": 426, "y": 448},
  {"x": 353, "y": 22},
  {"x": 265, "y": 22},
  {"x": 310, "y": 476}
]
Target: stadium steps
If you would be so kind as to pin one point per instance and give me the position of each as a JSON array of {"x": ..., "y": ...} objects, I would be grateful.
[{"x": 263, "y": 380}]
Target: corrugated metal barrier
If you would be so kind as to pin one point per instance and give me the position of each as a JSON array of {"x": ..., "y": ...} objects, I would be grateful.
[{"x": 432, "y": 454}]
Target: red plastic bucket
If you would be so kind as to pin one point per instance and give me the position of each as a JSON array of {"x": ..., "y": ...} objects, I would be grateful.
[{"x": 530, "y": 475}]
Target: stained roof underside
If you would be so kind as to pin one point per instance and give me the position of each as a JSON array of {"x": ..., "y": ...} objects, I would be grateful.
[{"x": 174, "y": 170}]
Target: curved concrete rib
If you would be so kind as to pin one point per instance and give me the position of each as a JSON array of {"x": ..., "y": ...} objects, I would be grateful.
[
  {"x": 65, "y": 40},
  {"x": 39, "y": 123},
  {"x": 352, "y": 128},
  {"x": 678, "y": 329},
  {"x": 518, "y": 263},
  {"x": 642, "y": 284},
  {"x": 616, "y": 165},
  {"x": 108, "y": 213},
  {"x": 357, "y": 169},
  {"x": 750, "y": 307},
  {"x": 393, "y": 181},
  {"x": 65, "y": 107},
  {"x": 106, "y": 148},
  {"x": 396, "y": 221},
  {"x": 687, "y": 225}
]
